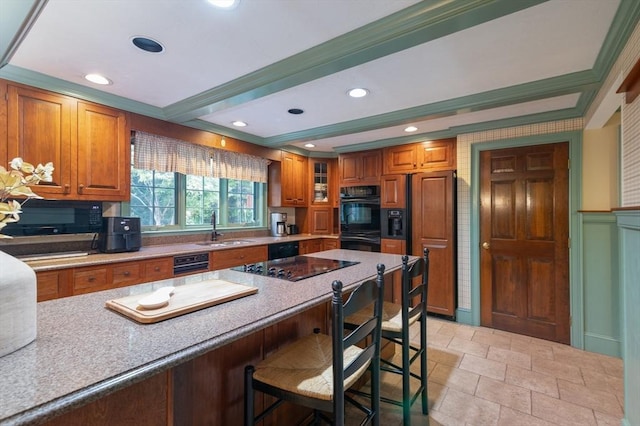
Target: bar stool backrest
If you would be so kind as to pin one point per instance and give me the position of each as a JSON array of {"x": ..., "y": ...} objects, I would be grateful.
[
  {"x": 414, "y": 296},
  {"x": 369, "y": 331}
]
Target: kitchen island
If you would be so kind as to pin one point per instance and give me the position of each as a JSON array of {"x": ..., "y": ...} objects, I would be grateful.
[{"x": 86, "y": 353}]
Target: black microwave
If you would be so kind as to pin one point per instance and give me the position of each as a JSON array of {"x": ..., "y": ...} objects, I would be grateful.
[{"x": 49, "y": 217}]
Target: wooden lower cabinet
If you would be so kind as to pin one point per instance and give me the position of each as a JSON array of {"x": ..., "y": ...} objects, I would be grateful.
[
  {"x": 54, "y": 284},
  {"x": 73, "y": 281},
  {"x": 223, "y": 259},
  {"x": 330, "y": 244},
  {"x": 311, "y": 246},
  {"x": 92, "y": 278},
  {"x": 393, "y": 283},
  {"x": 157, "y": 269}
]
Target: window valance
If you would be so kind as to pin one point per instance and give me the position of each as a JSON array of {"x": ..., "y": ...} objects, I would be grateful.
[{"x": 160, "y": 153}]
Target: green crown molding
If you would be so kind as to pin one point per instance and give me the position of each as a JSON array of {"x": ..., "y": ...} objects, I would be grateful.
[
  {"x": 224, "y": 131},
  {"x": 42, "y": 81},
  {"x": 624, "y": 22},
  {"x": 16, "y": 19},
  {"x": 526, "y": 92},
  {"x": 414, "y": 25},
  {"x": 542, "y": 117}
]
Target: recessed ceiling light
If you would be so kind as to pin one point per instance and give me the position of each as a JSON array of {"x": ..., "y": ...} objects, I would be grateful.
[
  {"x": 224, "y": 4},
  {"x": 358, "y": 92},
  {"x": 147, "y": 44},
  {"x": 295, "y": 111},
  {"x": 411, "y": 129},
  {"x": 239, "y": 123},
  {"x": 309, "y": 145},
  {"x": 97, "y": 79}
]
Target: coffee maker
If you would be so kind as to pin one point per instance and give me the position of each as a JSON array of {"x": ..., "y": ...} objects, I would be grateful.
[{"x": 278, "y": 224}]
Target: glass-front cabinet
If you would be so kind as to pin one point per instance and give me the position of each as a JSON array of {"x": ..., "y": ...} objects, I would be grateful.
[{"x": 321, "y": 181}]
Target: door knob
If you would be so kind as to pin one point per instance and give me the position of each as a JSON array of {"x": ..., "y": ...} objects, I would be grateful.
[{"x": 486, "y": 245}]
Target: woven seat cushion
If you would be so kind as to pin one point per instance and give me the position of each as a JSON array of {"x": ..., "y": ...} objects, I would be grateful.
[
  {"x": 305, "y": 367},
  {"x": 391, "y": 317}
]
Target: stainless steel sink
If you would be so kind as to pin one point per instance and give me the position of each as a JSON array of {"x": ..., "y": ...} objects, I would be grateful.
[{"x": 223, "y": 243}]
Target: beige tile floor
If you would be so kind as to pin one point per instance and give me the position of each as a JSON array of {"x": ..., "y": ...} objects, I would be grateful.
[{"x": 481, "y": 376}]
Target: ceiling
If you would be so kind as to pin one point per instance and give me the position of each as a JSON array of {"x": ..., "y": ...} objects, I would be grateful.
[{"x": 444, "y": 66}]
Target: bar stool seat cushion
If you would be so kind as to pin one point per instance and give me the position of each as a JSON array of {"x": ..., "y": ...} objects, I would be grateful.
[
  {"x": 391, "y": 317},
  {"x": 305, "y": 367}
]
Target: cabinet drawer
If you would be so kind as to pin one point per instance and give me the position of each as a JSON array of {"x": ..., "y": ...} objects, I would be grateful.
[
  {"x": 223, "y": 259},
  {"x": 310, "y": 246},
  {"x": 330, "y": 244},
  {"x": 158, "y": 269},
  {"x": 126, "y": 274},
  {"x": 91, "y": 279}
]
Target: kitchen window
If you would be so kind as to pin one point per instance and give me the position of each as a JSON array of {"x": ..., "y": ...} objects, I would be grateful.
[{"x": 175, "y": 201}]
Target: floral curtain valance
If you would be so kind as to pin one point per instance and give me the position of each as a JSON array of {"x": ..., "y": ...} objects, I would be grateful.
[{"x": 160, "y": 153}]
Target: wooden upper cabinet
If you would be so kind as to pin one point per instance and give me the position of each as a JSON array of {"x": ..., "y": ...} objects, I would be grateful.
[
  {"x": 288, "y": 181},
  {"x": 401, "y": 158},
  {"x": 321, "y": 181},
  {"x": 393, "y": 190},
  {"x": 87, "y": 144},
  {"x": 320, "y": 220},
  {"x": 421, "y": 157},
  {"x": 41, "y": 129},
  {"x": 104, "y": 149},
  {"x": 360, "y": 168}
]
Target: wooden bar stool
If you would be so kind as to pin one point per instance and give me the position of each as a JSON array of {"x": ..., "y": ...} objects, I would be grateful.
[
  {"x": 316, "y": 370},
  {"x": 396, "y": 321}
]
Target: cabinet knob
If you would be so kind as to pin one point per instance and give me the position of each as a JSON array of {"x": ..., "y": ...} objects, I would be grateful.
[
  {"x": 157, "y": 269},
  {"x": 486, "y": 245},
  {"x": 126, "y": 273},
  {"x": 91, "y": 279},
  {"x": 80, "y": 188},
  {"x": 67, "y": 188}
]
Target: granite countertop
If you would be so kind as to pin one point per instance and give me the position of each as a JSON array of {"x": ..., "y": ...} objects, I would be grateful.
[
  {"x": 84, "y": 350},
  {"x": 150, "y": 252}
]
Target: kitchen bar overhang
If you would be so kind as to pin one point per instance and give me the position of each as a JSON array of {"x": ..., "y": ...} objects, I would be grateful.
[{"x": 85, "y": 351}]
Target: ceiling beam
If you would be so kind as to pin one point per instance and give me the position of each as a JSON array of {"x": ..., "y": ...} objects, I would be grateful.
[{"x": 415, "y": 25}]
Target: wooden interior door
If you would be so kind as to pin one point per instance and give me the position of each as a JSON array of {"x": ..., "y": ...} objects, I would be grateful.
[{"x": 524, "y": 232}]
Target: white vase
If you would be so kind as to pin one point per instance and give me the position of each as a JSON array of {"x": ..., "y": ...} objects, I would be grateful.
[{"x": 18, "y": 302}]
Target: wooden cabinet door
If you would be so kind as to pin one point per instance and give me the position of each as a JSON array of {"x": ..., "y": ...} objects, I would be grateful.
[
  {"x": 393, "y": 285},
  {"x": 433, "y": 221},
  {"x": 400, "y": 159},
  {"x": 320, "y": 220},
  {"x": 103, "y": 170},
  {"x": 294, "y": 179},
  {"x": 310, "y": 246},
  {"x": 330, "y": 244},
  {"x": 360, "y": 168},
  {"x": 39, "y": 130},
  {"x": 349, "y": 165},
  {"x": 437, "y": 155},
  {"x": 393, "y": 190},
  {"x": 371, "y": 167},
  {"x": 54, "y": 284}
]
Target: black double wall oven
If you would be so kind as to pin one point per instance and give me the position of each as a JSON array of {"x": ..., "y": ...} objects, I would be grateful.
[{"x": 360, "y": 218}]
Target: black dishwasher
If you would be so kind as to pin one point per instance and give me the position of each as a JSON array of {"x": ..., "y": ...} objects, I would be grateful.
[{"x": 280, "y": 250}]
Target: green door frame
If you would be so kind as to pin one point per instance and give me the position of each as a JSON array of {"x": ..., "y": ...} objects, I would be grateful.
[{"x": 575, "y": 232}]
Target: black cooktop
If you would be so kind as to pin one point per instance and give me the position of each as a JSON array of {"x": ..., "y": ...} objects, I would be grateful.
[{"x": 294, "y": 268}]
